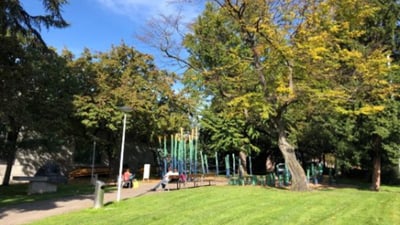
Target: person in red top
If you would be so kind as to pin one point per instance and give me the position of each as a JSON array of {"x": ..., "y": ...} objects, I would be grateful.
[{"x": 127, "y": 178}]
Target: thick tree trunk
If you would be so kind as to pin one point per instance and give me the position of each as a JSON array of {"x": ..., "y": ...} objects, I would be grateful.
[
  {"x": 7, "y": 174},
  {"x": 11, "y": 151},
  {"x": 243, "y": 160},
  {"x": 376, "y": 174},
  {"x": 299, "y": 179}
]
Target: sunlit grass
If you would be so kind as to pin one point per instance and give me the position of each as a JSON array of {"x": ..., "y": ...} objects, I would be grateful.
[{"x": 246, "y": 205}]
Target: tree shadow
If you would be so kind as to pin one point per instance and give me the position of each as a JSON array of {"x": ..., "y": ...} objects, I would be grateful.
[{"x": 41, "y": 205}]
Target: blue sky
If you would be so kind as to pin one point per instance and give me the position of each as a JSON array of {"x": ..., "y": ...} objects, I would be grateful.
[{"x": 98, "y": 24}]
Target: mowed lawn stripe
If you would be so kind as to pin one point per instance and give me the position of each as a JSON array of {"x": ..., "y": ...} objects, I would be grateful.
[{"x": 245, "y": 205}]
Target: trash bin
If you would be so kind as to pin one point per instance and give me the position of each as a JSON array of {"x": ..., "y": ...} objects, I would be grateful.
[{"x": 99, "y": 194}]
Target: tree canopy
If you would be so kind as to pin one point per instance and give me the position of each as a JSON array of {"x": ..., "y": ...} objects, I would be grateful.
[
  {"x": 274, "y": 64},
  {"x": 125, "y": 77},
  {"x": 27, "y": 68},
  {"x": 306, "y": 77}
]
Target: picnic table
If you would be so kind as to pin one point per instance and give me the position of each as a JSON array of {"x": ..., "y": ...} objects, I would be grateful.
[
  {"x": 38, "y": 184},
  {"x": 200, "y": 178},
  {"x": 197, "y": 180}
]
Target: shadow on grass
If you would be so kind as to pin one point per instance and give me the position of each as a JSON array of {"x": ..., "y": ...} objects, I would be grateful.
[
  {"x": 362, "y": 185},
  {"x": 18, "y": 193},
  {"x": 44, "y": 204},
  {"x": 15, "y": 198}
]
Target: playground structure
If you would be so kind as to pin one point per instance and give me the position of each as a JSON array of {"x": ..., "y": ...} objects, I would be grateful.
[
  {"x": 182, "y": 154},
  {"x": 278, "y": 178},
  {"x": 314, "y": 172}
]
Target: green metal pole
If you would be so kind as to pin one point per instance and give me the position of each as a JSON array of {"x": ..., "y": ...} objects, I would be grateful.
[
  {"x": 206, "y": 162},
  {"x": 202, "y": 162},
  {"x": 171, "y": 155},
  {"x": 165, "y": 155},
  {"x": 234, "y": 164},
  {"x": 191, "y": 154},
  {"x": 184, "y": 155},
  {"x": 216, "y": 164},
  {"x": 195, "y": 151},
  {"x": 251, "y": 169},
  {"x": 175, "y": 151},
  {"x": 227, "y": 166}
]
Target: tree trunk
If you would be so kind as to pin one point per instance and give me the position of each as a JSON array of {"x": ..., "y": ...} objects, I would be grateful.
[
  {"x": 299, "y": 179},
  {"x": 243, "y": 160},
  {"x": 7, "y": 174},
  {"x": 376, "y": 174},
  {"x": 11, "y": 151}
]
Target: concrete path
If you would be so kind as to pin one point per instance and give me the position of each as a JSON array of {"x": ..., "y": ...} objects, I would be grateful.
[{"x": 29, "y": 212}]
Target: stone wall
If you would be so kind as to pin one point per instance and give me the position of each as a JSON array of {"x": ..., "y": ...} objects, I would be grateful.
[{"x": 28, "y": 161}]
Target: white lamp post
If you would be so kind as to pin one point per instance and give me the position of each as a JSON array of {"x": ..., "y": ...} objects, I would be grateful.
[{"x": 124, "y": 109}]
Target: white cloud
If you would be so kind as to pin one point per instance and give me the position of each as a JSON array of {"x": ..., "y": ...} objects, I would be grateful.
[{"x": 146, "y": 9}]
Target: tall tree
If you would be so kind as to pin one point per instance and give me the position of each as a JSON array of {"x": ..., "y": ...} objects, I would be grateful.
[
  {"x": 15, "y": 20},
  {"x": 247, "y": 62},
  {"x": 290, "y": 55},
  {"x": 20, "y": 39},
  {"x": 369, "y": 40},
  {"x": 125, "y": 77}
]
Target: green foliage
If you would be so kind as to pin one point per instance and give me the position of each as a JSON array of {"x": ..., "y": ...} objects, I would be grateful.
[
  {"x": 125, "y": 77},
  {"x": 32, "y": 91},
  {"x": 15, "y": 20},
  {"x": 38, "y": 91},
  {"x": 230, "y": 134},
  {"x": 300, "y": 67}
]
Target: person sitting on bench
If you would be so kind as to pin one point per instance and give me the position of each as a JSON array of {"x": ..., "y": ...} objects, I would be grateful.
[
  {"x": 127, "y": 178},
  {"x": 163, "y": 183}
]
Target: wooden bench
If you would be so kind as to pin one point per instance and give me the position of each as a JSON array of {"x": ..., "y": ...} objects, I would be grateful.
[
  {"x": 175, "y": 179},
  {"x": 210, "y": 178},
  {"x": 195, "y": 178},
  {"x": 38, "y": 184},
  {"x": 87, "y": 171},
  {"x": 198, "y": 179}
]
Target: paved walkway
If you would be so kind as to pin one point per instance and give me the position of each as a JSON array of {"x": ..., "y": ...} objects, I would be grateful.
[{"x": 29, "y": 212}]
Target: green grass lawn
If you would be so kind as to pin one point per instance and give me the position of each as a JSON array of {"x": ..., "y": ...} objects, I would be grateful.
[{"x": 246, "y": 205}]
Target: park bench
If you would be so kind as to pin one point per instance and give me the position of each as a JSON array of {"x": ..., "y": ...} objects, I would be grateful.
[
  {"x": 38, "y": 184},
  {"x": 175, "y": 179},
  {"x": 198, "y": 179},
  {"x": 87, "y": 172},
  {"x": 210, "y": 178}
]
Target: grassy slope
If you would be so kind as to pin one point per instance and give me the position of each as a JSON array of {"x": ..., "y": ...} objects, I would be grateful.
[{"x": 246, "y": 205}]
